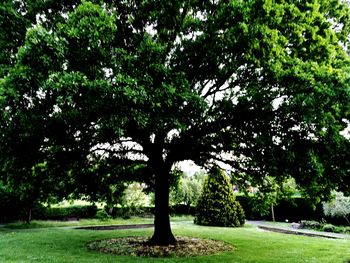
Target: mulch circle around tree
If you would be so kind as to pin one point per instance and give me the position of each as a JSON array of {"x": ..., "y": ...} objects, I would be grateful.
[{"x": 139, "y": 246}]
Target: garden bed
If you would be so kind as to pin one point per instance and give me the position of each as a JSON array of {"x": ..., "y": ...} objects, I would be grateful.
[
  {"x": 140, "y": 247},
  {"x": 299, "y": 232}
]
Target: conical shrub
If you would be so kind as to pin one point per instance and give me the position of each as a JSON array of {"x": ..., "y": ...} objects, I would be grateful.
[{"x": 217, "y": 205}]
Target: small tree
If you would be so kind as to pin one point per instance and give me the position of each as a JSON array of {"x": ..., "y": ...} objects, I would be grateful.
[
  {"x": 272, "y": 191},
  {"x": 135, "y": 197},
  {"x": 187, "y": 192},
  {"x": 217, "y": 205},
  {"x": 338, "y": 207}
]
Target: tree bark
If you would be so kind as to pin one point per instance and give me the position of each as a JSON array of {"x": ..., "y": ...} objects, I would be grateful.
[
  {"x": 29, "y": 216},
  {"x": 273, "y": 213},
  {"x": 162, "y": 230}
]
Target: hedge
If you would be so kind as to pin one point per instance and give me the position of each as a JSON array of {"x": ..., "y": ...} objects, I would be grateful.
[
  {"x": 12, "y": 213},
  {"x": 293, "y": 210},
  {"x": 66, "y": 213}
]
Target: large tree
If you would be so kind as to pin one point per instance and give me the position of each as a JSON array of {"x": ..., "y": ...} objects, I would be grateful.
[{"x": 94, "y": 88}]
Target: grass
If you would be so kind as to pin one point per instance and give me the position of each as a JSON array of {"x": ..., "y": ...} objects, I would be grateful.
[
  {"x": 55, "y": 244},
  {"x": 81, "y": 222},
  {"x": 89, "y": 222}
]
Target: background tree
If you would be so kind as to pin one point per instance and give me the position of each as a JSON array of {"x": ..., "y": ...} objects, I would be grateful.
[
  {"x": 188, "y": 190},
  {"x": 338, "y": 207},
  {"x": 266, "y": 197},
  {"x": 258, "y": 85},
  {"x": 217, "y": 205},
  {"x": 9, "y": 204},
  {"x": 135, "y": 198}
]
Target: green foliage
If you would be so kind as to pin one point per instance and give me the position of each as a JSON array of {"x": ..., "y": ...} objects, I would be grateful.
[
  {"x": 347, "y": 230},
  {"x": 14, "y": 210},
  {"x": 328, "y": 228},
  {"x": 187, "y": 191},
  {"x": 311, "y": 224},
  {"x": 93, "y": 89},
  {"x": 270, "y": 193},
  {"x": 102, "y": 215},
  {"x": 338, "y": 207},
  {"x": 217, "y": 205},
  {"x": 323, "y": 226},
  {"x": 293, "y": 209},
  {"x": 8, "y": 204},
  {"x": 134, "y": 199},
  {"x": 13, "y": 29},
  {"x": 15, "y": 205},
  {"x": 73, "y": 223},
  {"x": 64, "y": 213}
]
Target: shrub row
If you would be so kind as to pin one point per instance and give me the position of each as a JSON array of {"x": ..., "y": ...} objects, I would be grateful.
[
  {"x": 8, "y": 214},
  {"x": 10, "y": 206},
  {"x": 148, "y": 211},
  {"x": 13, "y": 213},
  {"x": 293, "y": 210},
  {"x": 65, "y": 213},
  {"x": 322, "y": 226},
  {"x": 127, "y": 212}
]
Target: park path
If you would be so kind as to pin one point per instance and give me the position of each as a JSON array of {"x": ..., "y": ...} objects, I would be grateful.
[{"x": 296, "y": 231}]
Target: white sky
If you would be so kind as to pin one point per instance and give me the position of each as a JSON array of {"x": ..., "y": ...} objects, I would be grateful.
[{"x": 189, "y": 167}]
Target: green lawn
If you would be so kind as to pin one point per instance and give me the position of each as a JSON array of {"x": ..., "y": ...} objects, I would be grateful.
[
  {"x": 82, "y": 222},
  {"x": 64, "y": 244}
]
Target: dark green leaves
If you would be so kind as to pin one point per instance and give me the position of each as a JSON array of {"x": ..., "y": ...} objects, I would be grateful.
[{"x": 260, "y": 85}]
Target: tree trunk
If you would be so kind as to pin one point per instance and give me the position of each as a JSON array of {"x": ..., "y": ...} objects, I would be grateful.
[
  {"x": 162, "y": 229},
  {"x": 273, "y": 213},
  {"x": 29, "y": 216}
]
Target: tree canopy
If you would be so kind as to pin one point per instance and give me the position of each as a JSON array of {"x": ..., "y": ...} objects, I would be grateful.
[
  {"x": 338, "y": 207},
  {"x": 95, "y": 89}
]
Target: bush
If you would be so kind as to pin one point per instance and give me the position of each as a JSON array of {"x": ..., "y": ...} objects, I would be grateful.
[
  {"x": 217, "y": 205},
  {"x": 182, "y": 210},
  {"x": 102, "y": 215},
  {"x": 127, "y": 212},
  {"x": 339, "y": 207},
  {"x": 338, "y": 229},
  {"x": 12, "y": 208},
  {"x": 65, "y": 213},
  {"x": 294, "y": 209},
  {"x": 324, "y": 227},
  {"x": 310, "y": 224},
  {"x": 328, "y": 228},
  {"x": 346, "y": 230},
  {"x": 240, "y": 213},
  {"x": 186, "y": 193}
]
